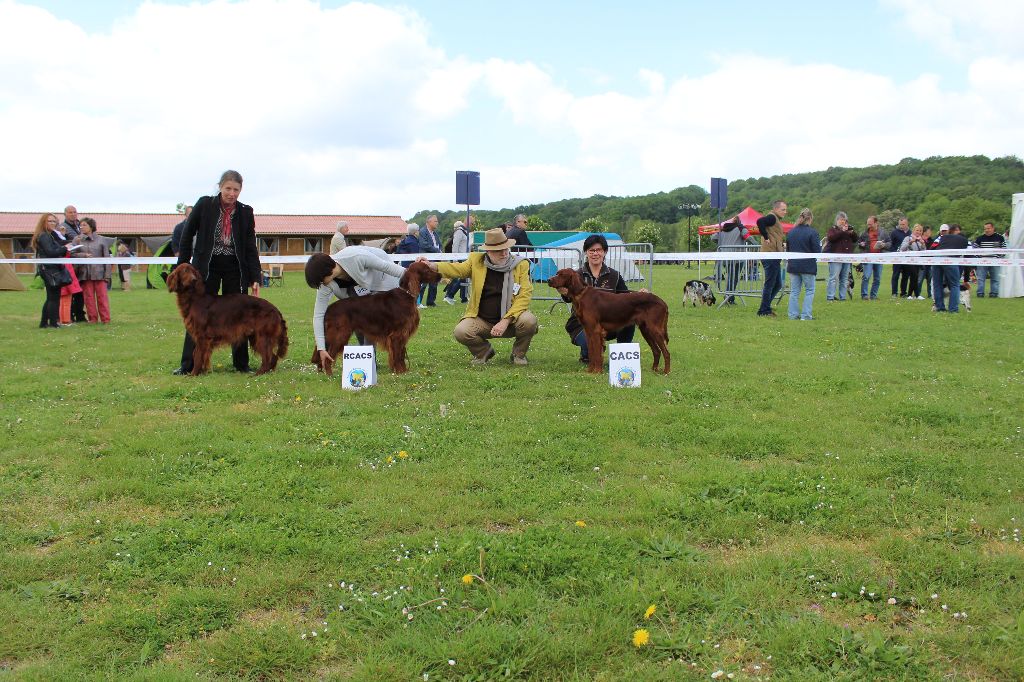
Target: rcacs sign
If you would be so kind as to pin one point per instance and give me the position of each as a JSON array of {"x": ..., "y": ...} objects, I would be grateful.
[{"x": 358, "y": 367}]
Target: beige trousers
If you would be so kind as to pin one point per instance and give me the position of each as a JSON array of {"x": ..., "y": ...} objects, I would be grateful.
[{"x": 474, "y": 334}]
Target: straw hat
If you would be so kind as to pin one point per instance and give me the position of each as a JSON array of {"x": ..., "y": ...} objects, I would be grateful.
[{"x": 494, "y": 240}]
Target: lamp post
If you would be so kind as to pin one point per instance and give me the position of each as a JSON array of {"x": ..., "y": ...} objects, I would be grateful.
[{"x": 690, "y": 210}]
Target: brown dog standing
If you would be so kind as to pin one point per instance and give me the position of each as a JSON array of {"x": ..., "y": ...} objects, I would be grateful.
[
  {"x": 226, "y": 320},
  {"x": 601, "y": 311},
  {"x": 389, "y": 318}
]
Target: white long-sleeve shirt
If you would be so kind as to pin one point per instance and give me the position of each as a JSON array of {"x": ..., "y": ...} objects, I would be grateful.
[{"x": 368, "y": 267}]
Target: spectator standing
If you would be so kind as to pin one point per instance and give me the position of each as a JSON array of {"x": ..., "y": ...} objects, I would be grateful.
[
  {"x": 93, "y": 278},
  {"x": 911, "y": 272},
  {"x": 732, "y": 234},
  {"x": 896, "y": 238},
  {"x": 989, "y": 239},
  {"x": 179, "y": 230},
  {"x": 46, "y": 244},
  {"x": 340, "y": 239},
  {"x": 873, "y": 240},
  {"x": 429, "y": 243},
  {"x": 840, "y": 238},
  {"x": 518, "y": 231},
  {"x": 802, "y": 239},
  {"x": 410, "y": 242},
  {"x": 124, "y": 272},
  {"x": 499, "y": 299},
  {"x": 220, "y": 241},
  {"x": 71, "y": 228},
  {"x": 772, "y": 241},
  {"x": 926, "y": 271},
  {"x": 460, "y": 244},
  {"x": 948, "y": 275}
]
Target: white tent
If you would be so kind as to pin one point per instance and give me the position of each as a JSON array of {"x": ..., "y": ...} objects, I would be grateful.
[{"x": 1011, "y": 280}]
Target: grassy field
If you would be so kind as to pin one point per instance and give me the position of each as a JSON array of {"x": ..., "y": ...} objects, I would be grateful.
[{"x": 834, "y": 499}]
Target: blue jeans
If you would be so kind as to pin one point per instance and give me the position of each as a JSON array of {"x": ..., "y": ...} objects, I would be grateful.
[
  {"x": 624, "y": 335},
  {"x": 431, "y": 293},
  {"x": 772, "y": 284},
  {"x": 795, "y": 282},
  {"x": 453, "y": 286},
  {"x": 838, "y": 276},
  {"x": 872, "y": 271},
  {"x": 949, "y": 276},
  {"x": 991, "y": 273}
]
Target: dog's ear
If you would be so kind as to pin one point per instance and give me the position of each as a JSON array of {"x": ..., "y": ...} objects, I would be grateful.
[{"x": 411, "y": 279}]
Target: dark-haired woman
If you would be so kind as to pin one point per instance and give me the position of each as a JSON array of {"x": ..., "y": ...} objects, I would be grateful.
[
  {"x": 224, "y": 251},
  {"x": 46, "y": 245},
  {"x": 595, "y": 273}
]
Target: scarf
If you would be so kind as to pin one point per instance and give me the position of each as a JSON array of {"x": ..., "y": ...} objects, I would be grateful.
[
  {"x": 506, "y": 288},
  {"x": 225, "y": 216}
]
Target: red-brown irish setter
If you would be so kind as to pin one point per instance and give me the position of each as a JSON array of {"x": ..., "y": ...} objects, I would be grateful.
[
  {"x": 601, "y": 311},
  {"x": 389, "y": 318},
  {"x": 226, "y": 320}
]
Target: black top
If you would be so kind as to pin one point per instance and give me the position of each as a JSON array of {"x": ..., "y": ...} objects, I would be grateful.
[
  {"x": 608, "y": 279},
  {"x": 953, "y": 241},
  {"x": 490, "y": 297},
  {"x": 203, "y": 226}
]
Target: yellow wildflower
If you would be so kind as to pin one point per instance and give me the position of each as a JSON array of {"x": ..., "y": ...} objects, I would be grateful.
[
  {"x": 298, "y": 398},
  {"x": 467, "y": 579},
  {"x": 402, "y": 454},
  {"x": 389, "y": 459},
  {"x": 650, "y": 611},
  {"x": 581, "y": 524},
  {"x": 641, "y": 638}
]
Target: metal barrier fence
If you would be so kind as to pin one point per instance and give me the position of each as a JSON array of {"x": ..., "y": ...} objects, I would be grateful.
[
  {"x": 545, "y": 261},
  {"x": 742, "y": 277},
  {"x": 632, "y": 261}
]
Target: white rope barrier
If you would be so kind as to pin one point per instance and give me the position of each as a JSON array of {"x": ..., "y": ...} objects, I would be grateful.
[{"x": 943, "y": 257}]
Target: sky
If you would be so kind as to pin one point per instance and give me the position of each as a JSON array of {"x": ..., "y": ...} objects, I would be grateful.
[{"x": 369, "y": 108}]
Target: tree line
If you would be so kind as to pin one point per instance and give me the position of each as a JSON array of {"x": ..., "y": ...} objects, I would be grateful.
[{"x": 969, "y": 190}]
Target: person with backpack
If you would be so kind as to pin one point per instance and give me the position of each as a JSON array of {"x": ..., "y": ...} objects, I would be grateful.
[{"x": 459, "y": 243}]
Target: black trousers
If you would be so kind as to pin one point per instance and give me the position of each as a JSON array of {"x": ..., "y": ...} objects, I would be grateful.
[
  {"x": 51, "y": 307},
  {"x": 78, "y": 308},
  {"x": 224, "y": 278}
]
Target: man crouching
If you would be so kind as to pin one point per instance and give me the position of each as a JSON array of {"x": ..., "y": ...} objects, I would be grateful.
[{"x": 499, "y": 299}]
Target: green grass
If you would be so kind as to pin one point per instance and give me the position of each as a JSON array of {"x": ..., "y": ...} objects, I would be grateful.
[{"x": 155, "y": 527}]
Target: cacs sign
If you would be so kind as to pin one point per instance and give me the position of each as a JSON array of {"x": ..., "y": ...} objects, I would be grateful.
[
  {"x": 358, "y": 367},
  {"x": 624, "y": 365}
]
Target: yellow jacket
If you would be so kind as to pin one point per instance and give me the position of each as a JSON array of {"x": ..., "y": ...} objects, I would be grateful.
[{"x": 475, "y": 269}]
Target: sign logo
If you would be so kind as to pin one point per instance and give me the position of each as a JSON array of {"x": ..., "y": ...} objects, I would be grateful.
[
  {"x": 357, "y": 378},
  {"x": 625, "y": 377}
]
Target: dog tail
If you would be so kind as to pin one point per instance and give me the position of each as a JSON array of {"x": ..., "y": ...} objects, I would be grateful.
[{"x": 282, "y": 343}]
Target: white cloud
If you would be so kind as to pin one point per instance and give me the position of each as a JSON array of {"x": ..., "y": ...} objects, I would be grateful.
[
  {"x": 356, "y": 110},
  {"x": 965, "y": 29}
]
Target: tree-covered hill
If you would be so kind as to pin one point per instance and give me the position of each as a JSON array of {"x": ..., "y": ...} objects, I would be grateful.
[{"x": 958, "y": 189}]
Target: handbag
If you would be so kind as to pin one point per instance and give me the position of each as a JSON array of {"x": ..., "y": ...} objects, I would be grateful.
[{"x": 56, "y": 278}]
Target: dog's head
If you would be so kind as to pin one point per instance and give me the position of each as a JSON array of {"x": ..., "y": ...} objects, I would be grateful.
[
  {"x": 567, "y": 279},
  {"x": 185, "y": 277},
  {"x": 708, "y": 297},
  {"x": 416, "y": 274}
]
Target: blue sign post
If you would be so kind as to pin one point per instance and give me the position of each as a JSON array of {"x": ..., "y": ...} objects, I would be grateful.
[
  {"x": 719, "y": 195},
  {"x": 467, "y": 191}
]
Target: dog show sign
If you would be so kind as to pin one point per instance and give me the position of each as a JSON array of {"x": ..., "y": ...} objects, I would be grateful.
[
  {"x": 358, "y": 367},
  {"x": 624, "y": 365}
]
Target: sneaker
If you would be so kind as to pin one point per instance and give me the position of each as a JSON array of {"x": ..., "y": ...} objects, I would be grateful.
[
  {"x": 486, "y": 358},
  {"x": 920, "y": 298},
  {"x": 980, "y": 295},
  {"x": 910, "y": 298},
  {"x": 181, "y": 371},
  {"x": 449, "y": 300},
  {"x": 518, "y": 360},
  {"x": 421, "y": 306}
]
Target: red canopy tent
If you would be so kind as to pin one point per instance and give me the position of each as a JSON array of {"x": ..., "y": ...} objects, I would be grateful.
[{"x": 748, "y": 217}]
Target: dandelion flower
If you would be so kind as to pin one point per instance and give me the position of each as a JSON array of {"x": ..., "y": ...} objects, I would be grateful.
[
  {"x": 402, "y": 454},
  {"x": 641, "y": 638},
  {"x": 650, "y": 611},
  {"x": 467, "y": 579},
  {"x": 298, "y": 399},
  {"x": 581, "y": 524},
  {"x": 389, "y": 459}
]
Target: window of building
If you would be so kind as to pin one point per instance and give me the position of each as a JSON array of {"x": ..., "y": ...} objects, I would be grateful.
[
  {"x": 313, "y": 245},
  {"x": 268, "y": 245},
  {"x": 23, "y": 245}
]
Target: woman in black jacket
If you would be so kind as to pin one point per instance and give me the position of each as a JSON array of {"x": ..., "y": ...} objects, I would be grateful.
[
  {"x": 46, "y": 245},
  {"x": 596, "y": 274},
  {"x": 220, "y": 241}
]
